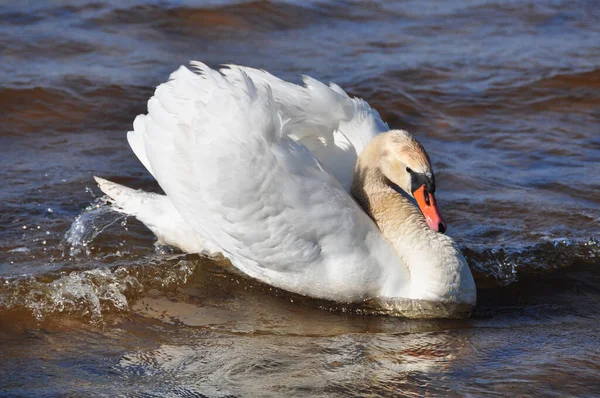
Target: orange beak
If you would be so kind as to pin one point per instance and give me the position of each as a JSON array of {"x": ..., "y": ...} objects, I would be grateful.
[{"x": 426, "y": 202}]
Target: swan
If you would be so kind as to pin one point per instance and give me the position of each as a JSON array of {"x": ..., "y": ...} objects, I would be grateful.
[{"x": 301, "y": 187}]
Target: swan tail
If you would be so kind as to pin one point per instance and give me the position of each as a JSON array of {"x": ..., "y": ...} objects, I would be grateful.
[{"x": 159, "y": 215}]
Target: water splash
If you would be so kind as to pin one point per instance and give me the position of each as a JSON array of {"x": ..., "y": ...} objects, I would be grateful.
[
  {"x": 88, "y": 225},
  {"x": 91, "y": 294},
  {"x": 94, "y": 293}
]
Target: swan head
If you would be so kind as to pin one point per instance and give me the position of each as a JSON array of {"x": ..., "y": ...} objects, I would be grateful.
[{"x": 403, "y": 165}]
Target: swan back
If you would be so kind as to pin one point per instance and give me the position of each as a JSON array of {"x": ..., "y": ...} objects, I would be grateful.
[{"x": 218, "y": 146}]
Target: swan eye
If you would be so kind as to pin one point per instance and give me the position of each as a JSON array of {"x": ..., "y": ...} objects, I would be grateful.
[{"x": 409, "y": 170}]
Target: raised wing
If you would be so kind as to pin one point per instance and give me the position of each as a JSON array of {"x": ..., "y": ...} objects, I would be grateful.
[
  {"x": 216, "y": 145},
  {"x": 333, "y": 126}
]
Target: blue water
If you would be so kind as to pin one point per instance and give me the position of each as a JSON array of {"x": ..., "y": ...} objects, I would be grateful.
[{"x": 505, "y": 97}]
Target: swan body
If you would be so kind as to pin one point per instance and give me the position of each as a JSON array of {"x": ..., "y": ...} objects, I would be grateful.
[{"x": 301, "y": 187}]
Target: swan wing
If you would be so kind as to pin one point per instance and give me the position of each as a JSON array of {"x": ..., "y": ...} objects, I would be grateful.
[
  {"x": 333, "y": 126},
  {"x": 217, "y": 146}
]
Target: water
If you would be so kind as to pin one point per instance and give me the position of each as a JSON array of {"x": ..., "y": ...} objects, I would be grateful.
[{"x": 506, "y": 99}]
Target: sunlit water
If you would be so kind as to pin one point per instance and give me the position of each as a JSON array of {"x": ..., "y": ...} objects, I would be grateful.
[{"x": 504, "y": 96}]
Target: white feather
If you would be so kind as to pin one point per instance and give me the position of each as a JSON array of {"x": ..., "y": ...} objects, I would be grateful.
[
  {"x": 159, "y": 215},
  {"x": 216, "y": 145},
  {"x": 259, "y": 169},
  {"x": 333, "y": 126}
]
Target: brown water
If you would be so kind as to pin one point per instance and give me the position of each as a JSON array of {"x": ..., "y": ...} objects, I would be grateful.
[{"x": 505, "y": 96}]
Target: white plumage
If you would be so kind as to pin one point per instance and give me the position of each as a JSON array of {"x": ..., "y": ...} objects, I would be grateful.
[{"x": 260, "y": 170}]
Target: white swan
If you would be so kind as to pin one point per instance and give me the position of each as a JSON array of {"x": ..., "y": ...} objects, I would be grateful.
[{"x": 261, "y": 170}]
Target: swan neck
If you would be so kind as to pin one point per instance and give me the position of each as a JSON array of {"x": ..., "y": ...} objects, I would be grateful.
[
  {"x": 438, "y": 270},
  {"x": 392, "y": 210},
  {"x": 398, "y": 219}
]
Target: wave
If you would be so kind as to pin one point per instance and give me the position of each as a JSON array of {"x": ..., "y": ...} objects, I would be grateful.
[
  {"x": 93, "y": 294},
  {"x": 232, "y": 20},
  {"x": 72, "y": 104},
  {"x": 497, "y": 267}
]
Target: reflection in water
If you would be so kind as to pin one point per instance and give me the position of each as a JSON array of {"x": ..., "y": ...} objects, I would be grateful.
[
  {"x": 289, "y": 350},
  {"x": 356, "y": 364},
  {"x": 219, "y": 333}
]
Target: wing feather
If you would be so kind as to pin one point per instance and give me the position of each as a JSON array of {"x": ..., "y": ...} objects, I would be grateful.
[
  {"x": 215, "y": 144},
  {"x": 333, "y": 126}
]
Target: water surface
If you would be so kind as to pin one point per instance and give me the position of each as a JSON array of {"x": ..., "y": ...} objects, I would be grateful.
[{"x": 504, "y": 96}]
